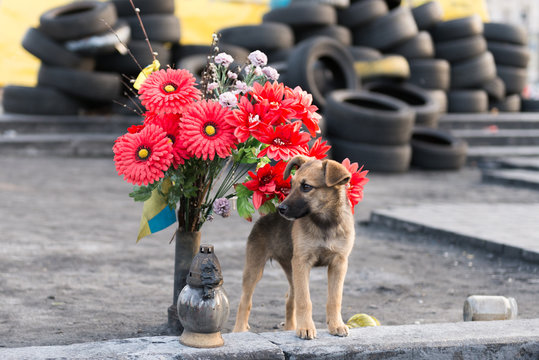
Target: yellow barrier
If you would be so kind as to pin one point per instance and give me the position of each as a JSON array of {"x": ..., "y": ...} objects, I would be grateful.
[
  {"x": 454, "y": 9},
  {"x": 199, "y": 19}
]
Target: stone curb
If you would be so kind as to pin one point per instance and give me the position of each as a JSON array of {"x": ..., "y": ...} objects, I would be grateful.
[
  {"x": 466, "y": 340},
  {"x": 382, "y": 218},
  {"x": 515, "y": 177}
]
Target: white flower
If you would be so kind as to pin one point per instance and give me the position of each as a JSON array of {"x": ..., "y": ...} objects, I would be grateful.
[
  {"x": 212, "y": 86},
  {"x": 232, "y": 75},
  {"x": 242, "y": 87},
  {"x": 270, "y": 73},
  {"x": 258, "y": 58},
  {"x": 258, "y": 71},
  {"x": 224, "y": 59},
  {"x": 228, "y": 99}
]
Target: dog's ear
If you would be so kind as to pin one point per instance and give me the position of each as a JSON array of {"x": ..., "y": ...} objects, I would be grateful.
[
  {"x": 294, "y": 163},
  {"x": 336, "y": 174}
]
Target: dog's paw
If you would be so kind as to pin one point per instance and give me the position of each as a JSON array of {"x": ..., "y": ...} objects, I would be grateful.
[
  {"x": 339, "y": 330},
  {"x": 307, "y": 331}
]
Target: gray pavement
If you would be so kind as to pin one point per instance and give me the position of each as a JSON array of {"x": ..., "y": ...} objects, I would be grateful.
[{"x": 70, "y": 271}]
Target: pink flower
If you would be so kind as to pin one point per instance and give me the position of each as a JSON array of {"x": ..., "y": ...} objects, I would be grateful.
[
  {"x": 270, "y": 73},
  {"x": 228, "y": 99}
]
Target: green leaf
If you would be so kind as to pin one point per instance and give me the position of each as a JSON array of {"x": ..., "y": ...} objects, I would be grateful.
[
  {"x": 267, "y": 208},
  {"x": 142, "y": 193},
  {"x": 245, "y": 208}
]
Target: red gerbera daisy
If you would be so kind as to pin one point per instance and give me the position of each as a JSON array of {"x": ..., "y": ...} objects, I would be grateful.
[
  {"x": 206, "y": 131},
  {"x": 168, "y": 91},
  {"x": 144, "y": 156},
  {"x": 318, "y": 150},
  {"x": 357, "y": 181},
  {"x": 272, "y": 94},
  {"x": 285, "y": 141},
  {"x": 303, "y": 108},
  {"x": 170, "y": 123}
]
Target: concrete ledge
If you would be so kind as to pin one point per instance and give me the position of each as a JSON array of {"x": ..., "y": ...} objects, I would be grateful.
[
  {"x": 516, "y": 177},
  {"x": 471, "y": 340},
  {"x": 477, "y": 225}
]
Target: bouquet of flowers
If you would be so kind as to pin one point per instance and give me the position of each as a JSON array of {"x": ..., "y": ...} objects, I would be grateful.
[{"x": 230, "y": 137}]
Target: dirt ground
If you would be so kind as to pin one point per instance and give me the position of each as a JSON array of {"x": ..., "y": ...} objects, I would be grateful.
[{"x": 70, "y": 270}]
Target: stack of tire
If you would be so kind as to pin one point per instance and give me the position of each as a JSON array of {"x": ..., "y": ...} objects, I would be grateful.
[
  {"x": 66, "y": 42},
  {"x": 473, "y": 71},
  {"x": 84, "y": 60},
  {"x": 508, "y": 45},
  {"x": 162, "y": 28}
]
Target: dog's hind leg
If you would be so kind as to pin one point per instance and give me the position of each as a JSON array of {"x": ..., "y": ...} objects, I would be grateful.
[{"x": 255, "y": 260}]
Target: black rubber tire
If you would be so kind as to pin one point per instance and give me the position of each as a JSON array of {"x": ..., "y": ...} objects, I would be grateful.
[
  {"x": 239, "y": 53},
  {"x": 147, "y": 7},
  {"x": 440, "y": 98},
  {"x": 387, "y": 31},
  {"x": 362, "y": 12},
  {"x": 382, "y": 158},
  {"x": 435, "y": 149},
  {"x": 495, "y": 89},
  {"x": 336, "y": 3},
  {"x": 509, "y": 54},
  {"x": 195, "y": 64},
  {"x": 265, "y": 37},
  {"x": 508, "y": 33},
  {"x": 473, "y": 72},
  {"x": 515, "y": 78},
  {"x": 393, "y": 3},
  {"x": 92, "y": 86},
  {"x": 52, "y": 53},
  {"x": 104, "y": 43},
  {"x": 529, "y": 105},
  {"x": 427, "y": 111},
  {"x": 428, "y": 15},
  {"x": 321, "y": 65},
  {"x": 457, "y": 28},
  {"x": 467, "y": 101},
  {"x": 77, "y": 20},
  {"x": 38, "y": 101},
  {"x": 340, "y": 33},
  {"x": 363, "y": 53},
  {"x": 368, "y": 118},
  {"x": 418, "y": 47},
  {"x": 430, "y": 73},
  {"x": 511, "y": 103},
  {"x": 302, "y": 15},
  {"x": 159, "y": 27},
  {"x": 461, "y": 49},
  {"x": 124, "y": 64}
]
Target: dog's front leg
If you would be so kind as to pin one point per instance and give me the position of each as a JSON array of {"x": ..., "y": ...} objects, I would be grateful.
[
  {"x": 336, "y": 273},
  {"x": 305, "y": 328}
]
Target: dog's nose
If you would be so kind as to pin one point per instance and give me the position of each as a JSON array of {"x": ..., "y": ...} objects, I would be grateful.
[{"x": 282, "y": 208}]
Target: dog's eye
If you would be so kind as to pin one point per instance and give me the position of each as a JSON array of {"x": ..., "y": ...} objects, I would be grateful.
[{"x": 306, "y": 187}]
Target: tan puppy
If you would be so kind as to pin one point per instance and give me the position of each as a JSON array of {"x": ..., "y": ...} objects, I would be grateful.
[{"x": 321, "y": 233}]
